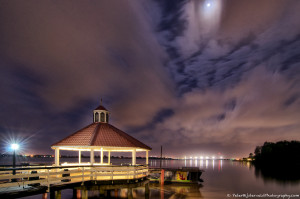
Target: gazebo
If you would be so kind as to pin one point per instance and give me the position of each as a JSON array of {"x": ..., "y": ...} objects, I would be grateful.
[{"x": 99, "y": 136}]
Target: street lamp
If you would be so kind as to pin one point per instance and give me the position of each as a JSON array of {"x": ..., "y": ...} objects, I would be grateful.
[{"x": 14, "y": 147}]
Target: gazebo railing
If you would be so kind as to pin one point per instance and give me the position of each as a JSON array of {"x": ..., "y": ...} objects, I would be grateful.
[{"x": 47, "y": 176}]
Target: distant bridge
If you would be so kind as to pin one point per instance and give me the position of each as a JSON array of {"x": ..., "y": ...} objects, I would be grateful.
[{"x": 203, "y": 158}]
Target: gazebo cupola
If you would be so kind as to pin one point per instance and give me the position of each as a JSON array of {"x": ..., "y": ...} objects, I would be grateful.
[{"x": 100, "y": 114}]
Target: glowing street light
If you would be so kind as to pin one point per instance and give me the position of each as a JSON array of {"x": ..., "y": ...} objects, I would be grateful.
[{"x": 14, "y": 147}]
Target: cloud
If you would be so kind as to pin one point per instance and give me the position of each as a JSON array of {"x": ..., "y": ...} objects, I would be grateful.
[
  {"x": 79, "y": 54},
  {"x": 246, "y": 115},
  {"x": 248, "y": 34},
  {"x": 56, "y": 57}
]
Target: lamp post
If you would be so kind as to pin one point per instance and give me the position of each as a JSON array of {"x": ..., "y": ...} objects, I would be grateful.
[{"x": 14, "y": 147}]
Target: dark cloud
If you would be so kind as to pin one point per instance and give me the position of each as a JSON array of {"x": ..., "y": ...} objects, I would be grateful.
[
  {"x": 59, "y": 59},
  {"x": 243, "y": 74},
  {"x": 194, "y": 79}
]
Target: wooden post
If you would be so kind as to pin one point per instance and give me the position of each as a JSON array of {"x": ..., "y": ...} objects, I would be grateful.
[
  {"x": 55, "y": 194},
  {"x": 108, "y": 194},
  {"x": 129, "y": 193},
  {"x": 147, "y": 191},
  {"x": 162, "y": 177},
  {"x": 76, "y": 193},
  {"x": 85, "y": 194},
  {"x": 102, "y": 192},
  {"x": 52, "y": 195},
  {"x": 45, "y": 195},
  {"x": 58, "y": 194},
  {"x": 108, "y": 157},
  {"x": 116, "y": 193}
]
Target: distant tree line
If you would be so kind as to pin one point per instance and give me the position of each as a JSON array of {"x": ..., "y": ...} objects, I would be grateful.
[
  {"x": 278, "y": 161},
  {"x": 283, "y": 153}
]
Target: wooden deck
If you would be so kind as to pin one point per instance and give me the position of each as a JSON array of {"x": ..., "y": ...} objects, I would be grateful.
[{"x": 36, "y": 180}]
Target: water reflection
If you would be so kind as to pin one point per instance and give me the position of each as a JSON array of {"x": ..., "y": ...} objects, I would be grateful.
[
  {"x": 220, "y": 165},
  {"x": 176, "y": 191},
  {"x": 283, "y": 175},
  {"x": 267, "y": 174}
]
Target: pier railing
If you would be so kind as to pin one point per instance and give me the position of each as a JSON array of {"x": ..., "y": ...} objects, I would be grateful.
[{"x": 47, "y": 176}]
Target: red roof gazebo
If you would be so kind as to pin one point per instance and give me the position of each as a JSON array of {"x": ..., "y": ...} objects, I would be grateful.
[{"x": 100, "y": 136}]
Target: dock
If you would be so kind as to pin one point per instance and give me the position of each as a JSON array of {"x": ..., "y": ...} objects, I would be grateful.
[
  {"x": 176, "y": 175},
  {"x": 52, "y": 179}
]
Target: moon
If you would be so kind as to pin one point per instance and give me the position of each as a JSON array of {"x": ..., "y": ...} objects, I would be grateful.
[{"x": 210, "y": 15}]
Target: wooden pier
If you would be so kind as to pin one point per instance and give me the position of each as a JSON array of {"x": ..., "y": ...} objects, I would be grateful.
[{"x": 49, "y": 179}]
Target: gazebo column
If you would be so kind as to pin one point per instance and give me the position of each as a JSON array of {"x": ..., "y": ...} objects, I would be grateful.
[
  {"x": 133, "y": 157},
  {"x": 108, "y": 158},
  {"x": 79, "y": 157},
  {"x": 92, "y": 158},
  {"x": 101, "y": 156},
  {"x": 56, "y": 156},
  {"x": 147, "y": 157}
]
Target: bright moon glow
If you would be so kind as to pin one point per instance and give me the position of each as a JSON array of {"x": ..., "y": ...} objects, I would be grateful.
[
  {"x": 210, "y": 15},
  {"x": 15, "y": 146}
]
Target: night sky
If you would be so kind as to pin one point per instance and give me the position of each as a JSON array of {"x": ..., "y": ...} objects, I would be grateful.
[{"x": 200, "y": 77}]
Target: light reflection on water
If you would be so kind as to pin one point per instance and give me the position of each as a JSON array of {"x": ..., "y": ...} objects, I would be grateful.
[{"x": 188, "y": 163}]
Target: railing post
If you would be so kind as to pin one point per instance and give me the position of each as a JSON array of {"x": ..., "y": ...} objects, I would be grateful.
[
  {"x": 128, "y": 172},
  {"x": 91, "y": 173},
  {"x": 82, "y": 175},
  {"x": 48, "y": 183},
  {"x": 95, "y": 173}
]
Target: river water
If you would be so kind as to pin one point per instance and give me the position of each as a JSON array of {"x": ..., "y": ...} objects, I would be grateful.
[{"x": 222, "y": 179}]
